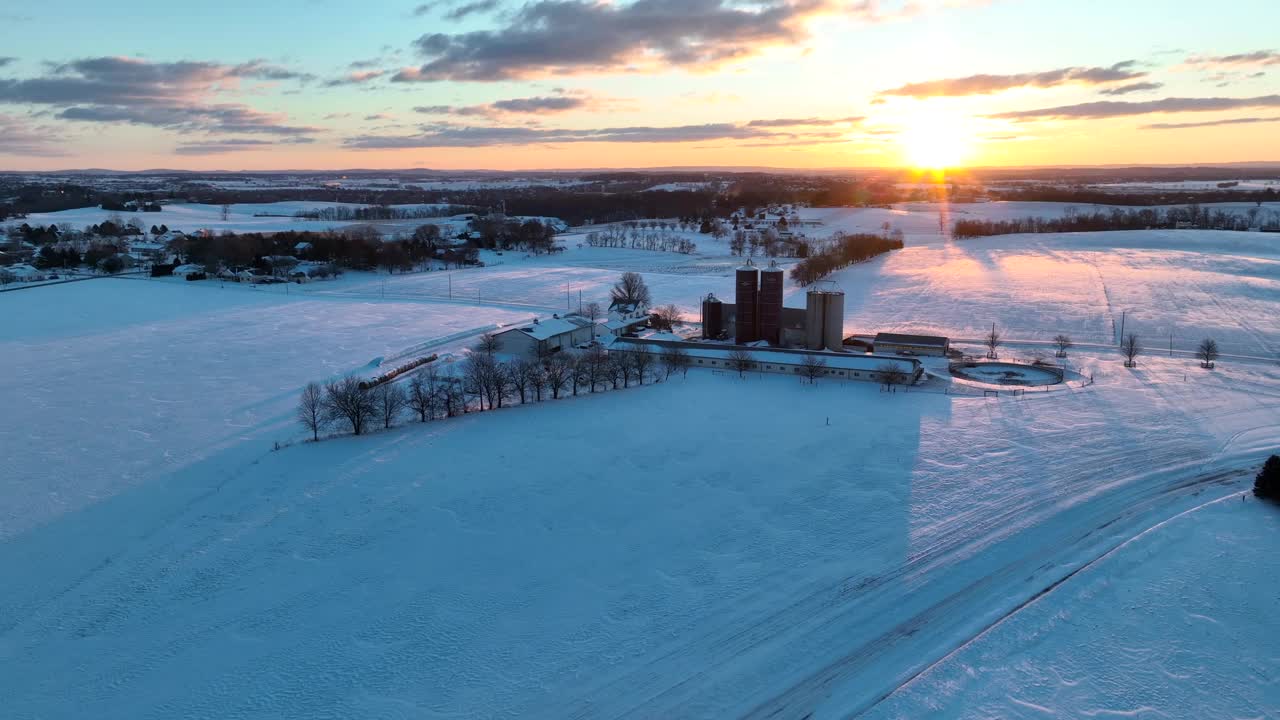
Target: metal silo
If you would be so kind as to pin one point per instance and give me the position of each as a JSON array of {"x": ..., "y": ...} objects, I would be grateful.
[
  {"x": 769, "y": 305},
  {"x": 833, "y": 320},
  {"x": 814, "y": 309},
  {"x": 712, "y": 317},
  {"x": 748, "y": 288}
]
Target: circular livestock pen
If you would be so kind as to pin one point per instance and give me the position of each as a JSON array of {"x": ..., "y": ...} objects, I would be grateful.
[{"x": 1007, "y": 373}]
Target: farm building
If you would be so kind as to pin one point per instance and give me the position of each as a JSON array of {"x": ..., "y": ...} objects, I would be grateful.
[
  {"x": 623, "y": 317},
  {"x": 911, "y": 344},
  {"x": 847, "y": 366},
  {"x": 546, "y": 336}
]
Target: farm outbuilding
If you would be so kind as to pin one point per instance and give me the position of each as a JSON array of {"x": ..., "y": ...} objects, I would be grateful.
[
  {"x": 900, "y": 344},
  {"x": 844, "y": 366},
  {"x": 545, "y": 336}
]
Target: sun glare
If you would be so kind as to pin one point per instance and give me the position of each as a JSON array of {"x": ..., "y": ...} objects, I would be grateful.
[{"x": 933, "y": 141}]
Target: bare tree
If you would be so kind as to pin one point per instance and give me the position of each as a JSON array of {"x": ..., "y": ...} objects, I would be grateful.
[
  {"x": 345, "y": 400},
  {"x": 477, "y": 379},
  {"x": 1131, "y": 347},
  {"x": 311, "y": 409},
  {"x": 643, "y": 364},
  {"x": 665, "y": 317},
  {"x": 675, "y": 358},
  {"x": 595, "y": 366},
  {"x": 488, "y": 344},
  {"x": 521, "y": 372},
  {"x": 558, "y": 370},
  {"x": 537, "y": 380},
  {"x": 619, "y": 368},
  {"x": 420, "y": 398},
  {"x": 1063, "y": 342},
  {"x": 992, "y": 341},
  {"x": 812, "y": 368},
  {"x": 388, "y": 401},
  {"x": 226, "y": 212},
  {"x": 1207, "y": 352},
  {"x": 741, "y": 361},
  {"x": 501, "y": 380},
  {"x": 630, "y": 289},
  {"x": 592, "y": 312},
  {"x": 891, "y": 374}
]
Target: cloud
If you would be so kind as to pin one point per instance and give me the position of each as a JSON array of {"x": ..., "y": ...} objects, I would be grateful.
[
  {"x": 987, "y": 84},
  {"x": 229, "y": 145},
  {"x": 1251, "y": 59},
  {"x": 449, "y": 135},
  {"x": 1132, "y": 88},
  {"x": 456, "y": 9},
  {"x": 168, "y": 95},
  {"x": 537, "y": 105},
  {"x": 1118, "y": 108},
  {"x": 356, "y": 77},
  {"x": 19, "y": 137},
  {"x": 556, "y": 37},
  {"x": 7, "y": 60},
  {"x": 1211, "y": 123},
  {"x": 797, "y": 122}
]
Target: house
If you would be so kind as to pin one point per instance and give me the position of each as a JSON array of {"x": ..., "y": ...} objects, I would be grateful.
[
  {"x": 900, "y": 344},
  {"x": 625, "y": 316},
  {"x": 188, "y": 270},
  {"x": 544, "y": 337},
  {"x": 22, "y": 272}
]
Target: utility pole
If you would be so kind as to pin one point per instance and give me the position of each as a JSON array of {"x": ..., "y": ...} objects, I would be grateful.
[
  {"x": 450, "y": 286},
  {"x": 1121, "y": 338}
]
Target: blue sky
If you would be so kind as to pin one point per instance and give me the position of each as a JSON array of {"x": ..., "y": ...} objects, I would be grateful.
[{"x": 563, "y": 83}]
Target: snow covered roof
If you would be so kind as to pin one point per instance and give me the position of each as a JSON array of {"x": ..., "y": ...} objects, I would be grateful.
[
  {"x": 547, "y": 329},
  {"x": 188, "y": 268},
  {"x": 917, "y": 340},
  {"x": 781, "y": 356}
]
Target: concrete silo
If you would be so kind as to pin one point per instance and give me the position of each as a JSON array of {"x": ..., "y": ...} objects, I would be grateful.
[
  {"x": 833, "y": 320},
  {"x": 712, "y": 317},
  {"x": 815, "y": 307},
  {"x": 746, "y": 324},
  {"x": 769, "y": 304}
]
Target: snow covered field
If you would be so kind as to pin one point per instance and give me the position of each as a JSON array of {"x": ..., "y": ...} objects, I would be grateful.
[
  {"x": 1186, "y": 627},
  {"x": 117, "y": 382},
  {"x": 704, "y": 547}
]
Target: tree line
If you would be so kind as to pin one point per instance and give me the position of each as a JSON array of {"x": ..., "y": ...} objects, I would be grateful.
[
  {"x": 369, "y": 213},
  {"x": 1072, "y": 220},
  {"x": 841, "y": 252},
  {"x": 483, "y": 383}
]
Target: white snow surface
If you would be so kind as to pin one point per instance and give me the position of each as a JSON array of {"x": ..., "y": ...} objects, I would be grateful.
[{"x": 703, "y": 547}]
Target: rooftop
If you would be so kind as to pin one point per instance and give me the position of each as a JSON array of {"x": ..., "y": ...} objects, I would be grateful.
[{"x": 918, "y": 340}]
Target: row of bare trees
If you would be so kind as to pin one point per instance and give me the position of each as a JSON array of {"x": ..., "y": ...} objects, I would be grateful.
[{"x": 484, "y": 383}]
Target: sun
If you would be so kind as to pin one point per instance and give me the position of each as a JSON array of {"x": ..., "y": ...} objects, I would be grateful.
[{"x": 936, "y": 141}]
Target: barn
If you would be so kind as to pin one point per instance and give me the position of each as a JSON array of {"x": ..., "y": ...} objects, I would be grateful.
[{"x": 899, "y": 344}]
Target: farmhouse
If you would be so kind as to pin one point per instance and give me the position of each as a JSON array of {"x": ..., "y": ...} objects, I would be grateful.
[
  {"x": 899, "y": 344},
  {"x": 546, "y": 336},
  {"x": 624, "y": 317}
]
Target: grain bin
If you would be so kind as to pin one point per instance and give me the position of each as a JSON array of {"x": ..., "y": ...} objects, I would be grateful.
[
  {"x": 833, "y": 320},
  {"x": 814, "y": 310},
  {"x": 712, "y": 317},
  {"x": 769, "y": 304},
  {"x": 746, "y": 325}
]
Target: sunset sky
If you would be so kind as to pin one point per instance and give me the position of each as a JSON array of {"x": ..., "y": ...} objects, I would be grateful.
[{"x": 326, "y": 84}]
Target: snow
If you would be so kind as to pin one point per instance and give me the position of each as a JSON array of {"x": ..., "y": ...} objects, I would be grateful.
[
  {"x": 707, "y": 546},
  {"x": 1168, "y": 604},
  {"x": 123, "y": 381}
]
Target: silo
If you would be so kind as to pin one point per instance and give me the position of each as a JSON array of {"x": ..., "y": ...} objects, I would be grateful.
[
  {"x": 712, "y": 317},
  {"x": 833, "y": 320},
  {"x": 748, "y": 288},
  {"x": 770, "y": 304},
  {"x": 814, "y": 310}
]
